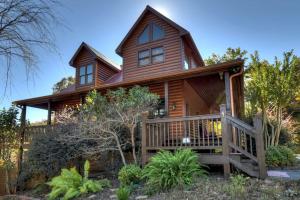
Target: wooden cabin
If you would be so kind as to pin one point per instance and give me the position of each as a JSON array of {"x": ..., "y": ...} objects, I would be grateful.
[{"x": 201, "y": 105}]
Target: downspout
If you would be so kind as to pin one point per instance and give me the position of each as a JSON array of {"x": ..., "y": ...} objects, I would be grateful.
[{"x": 231, "y": 89}]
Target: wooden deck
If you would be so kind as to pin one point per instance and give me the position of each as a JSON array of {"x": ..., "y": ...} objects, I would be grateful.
[{"x": 219, "y": 139}]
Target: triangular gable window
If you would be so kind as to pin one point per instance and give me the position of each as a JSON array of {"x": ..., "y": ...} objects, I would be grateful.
[
  {"x": 158, "y": 32},
  {"x": 152, "y": 32},
  {"x": 145, "y": 36}
]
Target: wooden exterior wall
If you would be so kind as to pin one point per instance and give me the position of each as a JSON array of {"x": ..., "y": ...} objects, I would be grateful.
[
  {"x": 171, "y": 44},
  {"x": 103, "y": 72}
]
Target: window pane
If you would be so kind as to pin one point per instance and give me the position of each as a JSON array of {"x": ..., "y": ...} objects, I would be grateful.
[
  {"x": 89, "y": 69},
  {"x": 144, "y": 37},
  {"x": 89, "y": 78},
  {"x": 144, "y": 54},
  {"x": 82, "y": 80},
  {"x": 186, "y": 62},
  {"x": 144, "y": 61},
  {"x": 157, "y": 51},
  {"x": 158, "y": 32},
  {"x": 193, "y": 63},
  {"x": 82, "y": 71},
  {"x": 157, "y": 59}
]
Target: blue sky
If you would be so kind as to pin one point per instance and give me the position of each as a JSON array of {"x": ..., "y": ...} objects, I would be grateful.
[{"x": 269, "y": 26}]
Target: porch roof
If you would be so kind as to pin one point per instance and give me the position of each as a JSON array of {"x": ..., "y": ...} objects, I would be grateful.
[{"x": 42, "y": 101}]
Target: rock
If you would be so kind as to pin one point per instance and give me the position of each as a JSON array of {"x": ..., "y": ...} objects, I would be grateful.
[
  {"x": 141, "y": 197},
  {"x": 268, "y": 181},
  {"x": 92, "y": 196},
  {"x": 113, "y": 189},
  {"x": 113, "y": 196}
]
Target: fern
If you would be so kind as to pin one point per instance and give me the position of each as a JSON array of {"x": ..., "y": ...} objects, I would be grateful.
[{"x": 71, "y": 184}]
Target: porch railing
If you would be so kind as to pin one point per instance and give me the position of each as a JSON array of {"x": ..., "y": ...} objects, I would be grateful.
[{"x": 196, "y": 132}]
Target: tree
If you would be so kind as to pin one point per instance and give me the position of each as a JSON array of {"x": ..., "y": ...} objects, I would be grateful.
[
  {"x": 9, "y": 141},
  {"x": 129, "y": 106},
  {"x": 103, "y": 118},
  {"x": 231, "y": 54},
  {"x": 270, "y": 88},
  {"x": 63, "y": 84},
  {"x": 26, "y": 26}
]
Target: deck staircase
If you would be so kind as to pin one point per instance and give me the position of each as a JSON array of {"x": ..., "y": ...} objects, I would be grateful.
[{"x": 219, "y": 139}]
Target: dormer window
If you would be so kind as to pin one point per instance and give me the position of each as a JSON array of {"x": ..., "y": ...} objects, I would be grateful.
[
  {"x": 86, "y": 74},
  {"x": 152, "y": 32}
]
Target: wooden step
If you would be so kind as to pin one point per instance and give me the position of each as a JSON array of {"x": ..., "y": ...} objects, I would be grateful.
[{"x": 247, "y": 168}]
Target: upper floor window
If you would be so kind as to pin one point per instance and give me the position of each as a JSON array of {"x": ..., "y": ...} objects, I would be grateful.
[
  {"x": 86, "y": 74},
  {"x": 154, "y": 55},
  {"x": 152, "y": 32}
]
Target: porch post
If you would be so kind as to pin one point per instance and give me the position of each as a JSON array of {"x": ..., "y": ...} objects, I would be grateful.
[
  {"x": 166, "y": 86},
  {"x": 260, "y": 151},
  {"x": 49, "y": 113},
  {"x": 227, "y": 91},
  {"x": 144, "y": 139},
  {"x": 225, "y": 140},
  {"x": 22, "y": 135}
]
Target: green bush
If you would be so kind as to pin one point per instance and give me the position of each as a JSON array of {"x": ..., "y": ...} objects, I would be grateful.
[
  {"x": 280, "y": 156},
  {"x": 236, "y": 188},
  {"x": 71, "y": 184},
  {"x": 167, "y": 170},
  {"x": 130, "y": 174},
  {"x": 123, "y": 193}
]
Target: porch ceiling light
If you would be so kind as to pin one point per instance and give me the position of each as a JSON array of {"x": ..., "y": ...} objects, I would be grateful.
[{"x": 173, "y": 106}]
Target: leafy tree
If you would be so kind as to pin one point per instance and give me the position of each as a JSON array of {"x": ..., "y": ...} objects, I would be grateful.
[
  {"x": 9, "y": 125},
  {"x": 231, "y": 54},
  {"x": 128, "y": 107},
  {"x": 272, "y": 86},
  {"x": 103, "y": 119},
  {"x": 63, "y": 83}
]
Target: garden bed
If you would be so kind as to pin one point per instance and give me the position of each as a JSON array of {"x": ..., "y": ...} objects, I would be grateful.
[{"x": 212, "y": 187}]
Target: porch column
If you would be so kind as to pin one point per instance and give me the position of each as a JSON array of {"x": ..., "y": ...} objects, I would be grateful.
[
  {"x": 49, "y": 113},
  {"x": 166, "y": 86},
  {"x": 226, "y": 133},
  {"x": 22, "y": 135},
  {"x": 227, "y": 91}
]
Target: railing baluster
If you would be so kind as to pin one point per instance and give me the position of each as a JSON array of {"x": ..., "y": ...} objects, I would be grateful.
[
  {"x": 213, "y": 132},
  {"x": 203, "y": 136},
  {"x": 198, "y": 128}
]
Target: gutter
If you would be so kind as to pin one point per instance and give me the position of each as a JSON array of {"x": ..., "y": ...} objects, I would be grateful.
[{"x": 231, "y": 89}]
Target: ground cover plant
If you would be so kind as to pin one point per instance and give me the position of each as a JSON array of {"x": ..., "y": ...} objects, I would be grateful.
[
  {"x": 70, "y": 184},
  {"x": 130, "y": 175}
]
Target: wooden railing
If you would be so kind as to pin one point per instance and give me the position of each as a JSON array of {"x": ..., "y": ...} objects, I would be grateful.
[
  {"x": 208, "y": 132},
  {"x": 196, "y": 132},
  {"x": 239, "y": 137}
]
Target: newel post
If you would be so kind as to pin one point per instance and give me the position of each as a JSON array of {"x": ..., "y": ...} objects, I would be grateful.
[
  {"x": 144, "y": 139},
  {"x": 260, "y": 151},
  {"x": 225, "y": 140}
]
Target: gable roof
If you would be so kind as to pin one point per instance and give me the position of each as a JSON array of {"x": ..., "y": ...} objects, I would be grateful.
[
  {"x": 182, "y": 31},
  {"x": 96, "y": 54}
]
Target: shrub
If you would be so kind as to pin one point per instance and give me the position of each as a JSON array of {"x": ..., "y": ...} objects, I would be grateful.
[
  {"x": 236, "y": 188},
  {"x": 167, "y": 170},
  {"x": 130, "y": 174},
  {"x": 71, "y": 184},
  {"x": 280, "y": 156},
  {"x": 123, "y": 193}
]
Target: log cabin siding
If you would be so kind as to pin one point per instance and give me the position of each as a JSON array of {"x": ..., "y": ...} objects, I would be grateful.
[
  {"x": 84, "y": 58},
  {"x": 176, "y": 98},
  {"x": 171, "y": 44},
  {"x": 103, "y": 72}
]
